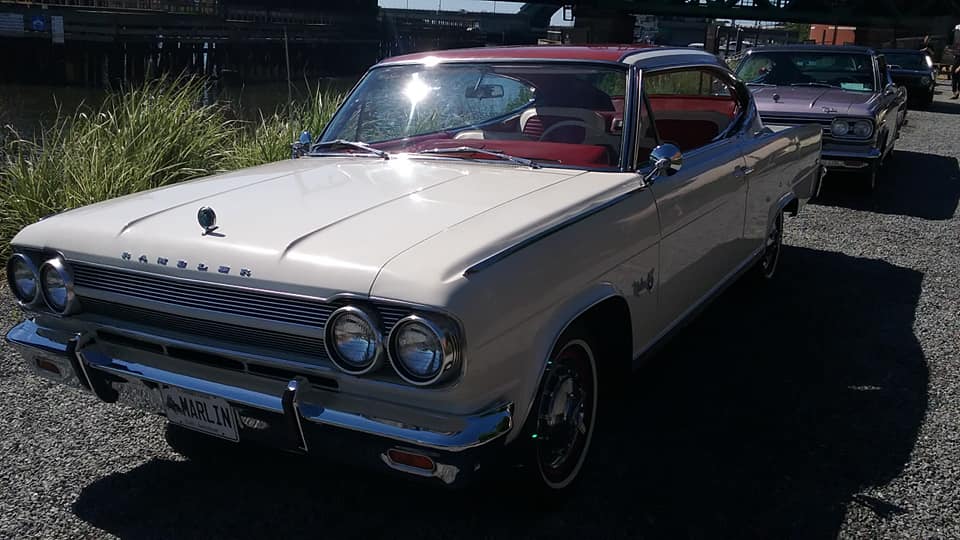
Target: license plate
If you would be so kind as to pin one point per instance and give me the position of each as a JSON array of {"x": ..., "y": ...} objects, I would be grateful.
[{"x": 207, "y": 414}]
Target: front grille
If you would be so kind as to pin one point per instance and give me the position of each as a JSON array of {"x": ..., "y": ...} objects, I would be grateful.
[
  {"x": 216, "y": 298},
  {"x": 311, "y": 349},
  {"x": 303, "y": 314}
]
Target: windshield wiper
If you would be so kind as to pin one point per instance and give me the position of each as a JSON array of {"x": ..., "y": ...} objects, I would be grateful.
[
  {"x": 352, "y": 144},
  {"x": 759, "y": 84},
  {"x": 472, "y": 150},
  {"x": 817, "y": 84}
]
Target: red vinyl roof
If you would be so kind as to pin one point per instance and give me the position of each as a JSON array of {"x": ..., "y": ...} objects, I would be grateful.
[{"x": 606, "y": 53}]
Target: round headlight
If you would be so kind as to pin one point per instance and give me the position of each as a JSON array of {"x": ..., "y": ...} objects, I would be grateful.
[
  {"x": 22, "y": 277},
  {"x": 862, "y": 128},
  {"x": 421, "y": 352},
  {"x": 353, "y": 341},
  {"x": 56, "y": 286},
  {"x": 925, "y": 81},
  {"x": 840, "y": 128}
]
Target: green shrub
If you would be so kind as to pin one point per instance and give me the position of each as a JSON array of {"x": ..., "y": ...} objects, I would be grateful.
[{"x": 156, "y": 134}]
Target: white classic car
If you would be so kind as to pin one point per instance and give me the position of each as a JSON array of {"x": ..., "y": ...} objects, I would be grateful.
[{"x": 476, "y": 240}]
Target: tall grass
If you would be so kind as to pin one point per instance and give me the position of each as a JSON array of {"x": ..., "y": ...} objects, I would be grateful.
[
  {"x": 268, "y": 138},
  {"x": 150, "y": 136}
]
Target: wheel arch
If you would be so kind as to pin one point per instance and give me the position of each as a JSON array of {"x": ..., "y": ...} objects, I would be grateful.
[{"x": 602, "y": 309}]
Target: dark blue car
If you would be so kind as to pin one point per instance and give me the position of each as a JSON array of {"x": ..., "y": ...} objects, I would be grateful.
[{"x": 913, "y": 70}]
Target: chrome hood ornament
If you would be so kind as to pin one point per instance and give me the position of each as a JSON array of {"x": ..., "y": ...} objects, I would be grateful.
[{"x": 207, "y": 219}]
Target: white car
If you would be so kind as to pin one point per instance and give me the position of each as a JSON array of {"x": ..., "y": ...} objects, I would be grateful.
[{"x": 475, "y": 241}]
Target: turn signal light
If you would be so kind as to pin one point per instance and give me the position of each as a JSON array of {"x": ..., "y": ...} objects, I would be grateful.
[
  {"x": 416, "y": 461},
  {"x": 48, "y": 366}
]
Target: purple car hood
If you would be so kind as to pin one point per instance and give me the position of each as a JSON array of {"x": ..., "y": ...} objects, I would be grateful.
[{"x": 809, "y": 99}]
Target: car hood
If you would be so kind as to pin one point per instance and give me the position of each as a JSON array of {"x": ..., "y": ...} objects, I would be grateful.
[
  {"x": 910, "y": 73},
  {"x": 793, "y": 100},
  {"x": 317, "y": 226}
]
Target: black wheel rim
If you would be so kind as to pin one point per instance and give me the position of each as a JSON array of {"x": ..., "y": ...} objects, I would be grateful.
[
  {"x": 772, "y": 252},
  {"x": 566, "y": 414}
]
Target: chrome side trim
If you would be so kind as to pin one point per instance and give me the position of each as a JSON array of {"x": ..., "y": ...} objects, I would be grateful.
[{"x": 536, "y": 237}]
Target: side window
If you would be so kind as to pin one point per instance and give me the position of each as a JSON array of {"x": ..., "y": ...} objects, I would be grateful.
[
  {"x": 691, "y": 107},
  {"x": 885, "y": 78},
  {"x": 647, "y": 135}
]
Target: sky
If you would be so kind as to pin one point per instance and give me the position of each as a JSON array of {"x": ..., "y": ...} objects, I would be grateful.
[{"x": 469, "y": 5}]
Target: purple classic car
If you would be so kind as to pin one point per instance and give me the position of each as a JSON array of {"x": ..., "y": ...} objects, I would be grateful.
[{"x": 847, "y": 90}]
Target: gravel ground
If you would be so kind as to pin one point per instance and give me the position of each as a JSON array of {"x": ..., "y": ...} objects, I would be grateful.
[{"x": 825, "y": 405}]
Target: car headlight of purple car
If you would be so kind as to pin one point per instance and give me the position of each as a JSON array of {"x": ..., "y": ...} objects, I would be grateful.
[{"x": 851, "y": 127}]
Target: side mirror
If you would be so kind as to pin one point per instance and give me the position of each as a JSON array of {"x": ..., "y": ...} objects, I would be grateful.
[
  {"x": 665, "y": 159},
  {"x": 301, "y": 146}
]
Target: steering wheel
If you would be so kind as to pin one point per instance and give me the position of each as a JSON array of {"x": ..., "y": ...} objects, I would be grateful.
[{"x": 587, "y": 130}]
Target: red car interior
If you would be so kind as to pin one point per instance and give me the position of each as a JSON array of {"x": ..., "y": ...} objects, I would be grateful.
[
  {"x": 687, "y": 121},
  {"x": 691, "y": 121}
]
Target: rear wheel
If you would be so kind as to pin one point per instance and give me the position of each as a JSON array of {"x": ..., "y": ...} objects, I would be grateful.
[{"x": 561, "y": 424}]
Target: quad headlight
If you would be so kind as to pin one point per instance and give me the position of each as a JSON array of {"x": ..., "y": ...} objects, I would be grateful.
[
  {"x": 22, "y": 278},
  {"x": 56, "y": 286},
  {"x": 849, "y": 127},
  {"x": 354, "y": 340},
  {"x": 863, "y": 128},
  {"x": 422, "y": 351},
  {"x": 840, "y": 128}
]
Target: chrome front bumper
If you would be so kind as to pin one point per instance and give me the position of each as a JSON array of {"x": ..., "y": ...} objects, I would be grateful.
[
  {"x": 849, "y": 158},
  {"x": 294, "y": 415}
]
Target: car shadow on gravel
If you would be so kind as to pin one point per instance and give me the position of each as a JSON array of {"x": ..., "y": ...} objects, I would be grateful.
[
  {"x": 764, "y": 418},
  {"x": 912, "y": 184},
  {"x": 944, "y": 106}
]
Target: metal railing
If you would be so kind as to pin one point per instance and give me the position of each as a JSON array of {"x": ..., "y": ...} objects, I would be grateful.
[{"x": 199, "y": 7}]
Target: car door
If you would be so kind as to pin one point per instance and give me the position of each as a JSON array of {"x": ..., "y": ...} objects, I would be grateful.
[
  {"x": 892, "y": 103},
  {"x": 702, "y": 205}
]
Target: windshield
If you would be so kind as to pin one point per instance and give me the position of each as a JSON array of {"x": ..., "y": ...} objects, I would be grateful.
[
  {"x": 909, "y": 61},
  {"x": 850, "y": 71},
  {"x": 553, "y": 114}
]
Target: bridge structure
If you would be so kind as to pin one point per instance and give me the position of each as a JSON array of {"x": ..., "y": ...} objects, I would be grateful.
[
  {"x": 882, "y": 13},
  {"x": 97, "y": 42},
  {"x": 105, "y": 42},
  {"x": 408, "y": 30}
]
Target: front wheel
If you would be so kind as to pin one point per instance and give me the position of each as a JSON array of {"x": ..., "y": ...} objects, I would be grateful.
[
  {"x": 869, "y": 178},
  {"x": 766, "y": 267},
  {"x": 561, "y": 424}
]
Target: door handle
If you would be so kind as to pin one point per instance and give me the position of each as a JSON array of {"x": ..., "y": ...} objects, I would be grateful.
[{"x": 742, "y": 172}]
